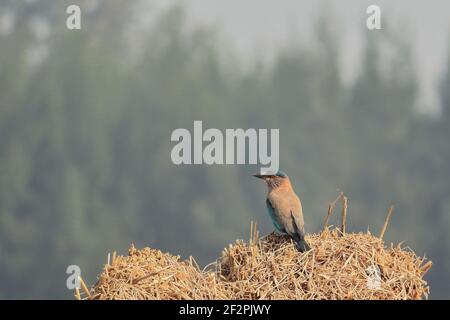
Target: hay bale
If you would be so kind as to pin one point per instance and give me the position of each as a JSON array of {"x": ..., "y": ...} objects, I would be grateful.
[
  {"x": 349, "y": 266},
  {"x": 151, "y": 274},
  {"x": 353, "y": 266}
]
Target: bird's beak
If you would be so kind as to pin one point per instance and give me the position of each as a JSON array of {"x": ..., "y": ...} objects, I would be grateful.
[{"x": 258, "y": 176}]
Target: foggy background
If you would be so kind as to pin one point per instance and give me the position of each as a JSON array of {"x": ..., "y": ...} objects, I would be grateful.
[{"x": 86, "y": 118}]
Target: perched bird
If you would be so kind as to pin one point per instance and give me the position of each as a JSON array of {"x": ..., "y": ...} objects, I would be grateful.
[{"x": 285, "y": 208}]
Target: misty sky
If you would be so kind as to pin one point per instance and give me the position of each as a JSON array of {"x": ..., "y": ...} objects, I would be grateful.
[{"x": 261, "y": 26}]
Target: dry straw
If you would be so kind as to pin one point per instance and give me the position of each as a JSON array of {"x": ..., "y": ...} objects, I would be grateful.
[{"x": 340, "y": 266}]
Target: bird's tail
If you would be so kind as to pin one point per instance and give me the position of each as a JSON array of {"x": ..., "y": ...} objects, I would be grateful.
[
  {"x": 299, "y": 238},
  {"x": 302, "y": 245}
]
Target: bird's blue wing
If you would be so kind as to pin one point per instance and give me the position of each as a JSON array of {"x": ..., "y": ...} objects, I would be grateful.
[{"x": 272, "y": 215}]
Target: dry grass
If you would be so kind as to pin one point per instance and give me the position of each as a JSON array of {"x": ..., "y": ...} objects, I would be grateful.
[
  {"x": 337, "y": 268},
  {"x": 152, "y": 274},
  {"x": 340, "y": 266}
]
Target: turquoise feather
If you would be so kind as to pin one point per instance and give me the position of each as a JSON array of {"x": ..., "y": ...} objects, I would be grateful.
[{"x": 273, "y": 217}]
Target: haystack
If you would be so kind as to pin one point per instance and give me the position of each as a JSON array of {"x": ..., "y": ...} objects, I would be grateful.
[{"x": 340, "y": 266}]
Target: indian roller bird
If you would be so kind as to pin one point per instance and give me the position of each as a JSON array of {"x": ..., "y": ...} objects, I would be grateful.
[{"x": 284, "y": 208}]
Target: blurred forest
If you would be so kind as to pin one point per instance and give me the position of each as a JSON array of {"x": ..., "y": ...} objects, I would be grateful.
[{"x": 85, "y": 124}]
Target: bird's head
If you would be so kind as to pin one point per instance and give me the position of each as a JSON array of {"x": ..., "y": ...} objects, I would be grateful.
[{"x": 273, "y": 180}]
